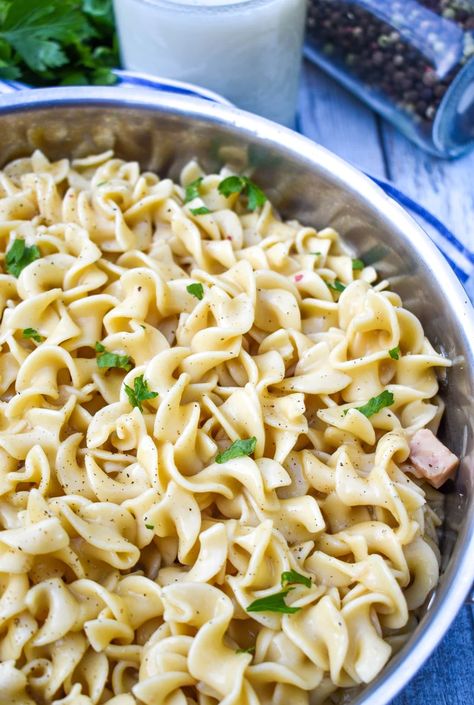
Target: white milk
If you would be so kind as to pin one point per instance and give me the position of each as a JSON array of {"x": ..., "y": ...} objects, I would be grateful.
[{"x": 248, "y": 51}]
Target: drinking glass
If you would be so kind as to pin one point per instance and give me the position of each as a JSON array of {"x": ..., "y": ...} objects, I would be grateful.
[{"x": 249, "y": 51}]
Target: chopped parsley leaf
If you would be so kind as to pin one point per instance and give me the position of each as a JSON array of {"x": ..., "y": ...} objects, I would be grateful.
[
  {"x": 395, "y": 353},
  {"x": 139, "y": 393},
  {"x": 242, "y": 184},
  {"x": 20, "y": 256},
  {"x": 273, "y": 603},
  {"x": 106, "y": 359},
  {"x": 336, "y": 286},
  {"x": 196, "y": 290},
  {"x": 292, "y": 577},
  {"x": 202, "y": 210},
  {"x": 33, "y": 333},
  {"x": 238, "y": 449},
  {"x": 192, "y": 190},
  {"x": 375, "y": 404},
  {"x": 357, "y": 264}
]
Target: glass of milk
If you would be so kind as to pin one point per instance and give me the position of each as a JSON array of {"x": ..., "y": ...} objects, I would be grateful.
[{"x": 249, "y": 51}]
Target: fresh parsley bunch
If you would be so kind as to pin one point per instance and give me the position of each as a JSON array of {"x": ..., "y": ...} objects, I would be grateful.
[{"x": 58, "y": 42}]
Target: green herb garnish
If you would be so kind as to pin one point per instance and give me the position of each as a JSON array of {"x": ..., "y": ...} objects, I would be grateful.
[
  {"x": 238, "y": 449},
  {"x": 196, "y": 290},
  {"x": 317, "y": 254},
  {"x": 192, "y": 190},
  {"x": 336, "y": 286},
  {"x": 139, "y": 393},
  {"x": 20, "y": 256},
  {"x": 291, "y": 577},
  {"x": 203, "y": 210},
  {"x": 375, "y": 404},
  {"x": 357, "y": 264},
  {"x": 242, "y": 184},
  {"x": 71, "y": 42},
  {"x": 273, "y": 603},
  {"x": 149, "y": 526},
  {"x": 33, "y": 333},
  {"x": 395, "y": 353},
  {"x": 250, "y": 650},
  {"x": 108, "y": 359}
]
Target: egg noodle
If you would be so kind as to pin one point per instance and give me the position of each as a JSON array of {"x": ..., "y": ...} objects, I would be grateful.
[{"x": 205, "y": 412}]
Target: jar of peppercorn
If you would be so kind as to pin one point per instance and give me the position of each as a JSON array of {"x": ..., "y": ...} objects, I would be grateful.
[{"x": 411, "y": 60}]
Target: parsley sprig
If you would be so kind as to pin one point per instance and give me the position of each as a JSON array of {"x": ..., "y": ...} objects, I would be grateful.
[
  {"x": 238, "y": 449},
  {"x": 139, "y": 393},
  {"x": 106, "y": 359},
  {"x": 20, "y": 256},
  {"x": 375, "y": 404},
  {"x": 242, "y": 184},
  {"x": 71, "y": 42}
]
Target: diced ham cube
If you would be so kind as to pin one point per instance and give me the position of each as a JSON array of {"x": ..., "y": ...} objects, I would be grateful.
[{"x": 431, "y": 459}]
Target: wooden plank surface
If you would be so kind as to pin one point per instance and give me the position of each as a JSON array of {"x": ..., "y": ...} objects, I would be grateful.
[{"x": 446, "y": 188}]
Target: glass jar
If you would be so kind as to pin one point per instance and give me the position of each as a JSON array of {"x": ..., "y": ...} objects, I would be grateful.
[
  {"x": 249, "y": 51},
  {"x": 410, "y": 60}
]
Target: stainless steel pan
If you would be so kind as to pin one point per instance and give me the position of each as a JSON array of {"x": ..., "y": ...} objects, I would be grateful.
[{"x": 307, "y": 182}]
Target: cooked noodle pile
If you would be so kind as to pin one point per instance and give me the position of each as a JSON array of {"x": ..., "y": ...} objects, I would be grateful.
[{"x": 205, "y": 412}]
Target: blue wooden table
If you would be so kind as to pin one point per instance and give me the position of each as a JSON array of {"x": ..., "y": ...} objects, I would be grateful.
[{"x": 334, "y": 118}]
